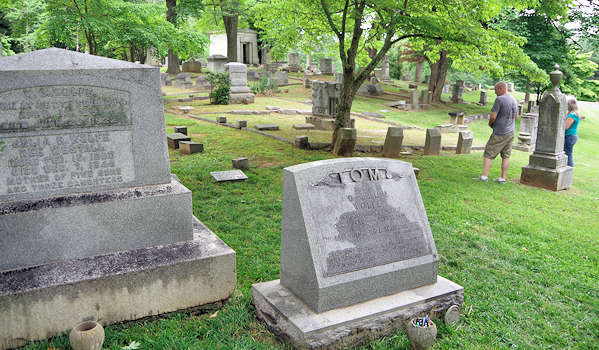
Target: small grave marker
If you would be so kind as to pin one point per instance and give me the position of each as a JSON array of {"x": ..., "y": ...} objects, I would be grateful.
[{"x": 229, "y": 175}]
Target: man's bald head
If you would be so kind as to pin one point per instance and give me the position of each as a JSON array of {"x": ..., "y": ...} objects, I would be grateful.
[{"x": 500, "y": 88}]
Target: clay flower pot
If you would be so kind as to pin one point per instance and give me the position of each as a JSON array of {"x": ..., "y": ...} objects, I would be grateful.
[
  {"x": 87, "y": 336},
  {"x": 421, "y": 337}
]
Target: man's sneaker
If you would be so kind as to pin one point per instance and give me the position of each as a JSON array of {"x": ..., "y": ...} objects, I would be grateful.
[
  {"x": 481, "y": 178},
  {"x": 500, "y": 180}
]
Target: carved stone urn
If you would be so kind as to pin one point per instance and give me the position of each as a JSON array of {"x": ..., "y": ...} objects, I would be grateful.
[
  {"x": 422, "y": 333},
  {"x": 87, "y": 336}
]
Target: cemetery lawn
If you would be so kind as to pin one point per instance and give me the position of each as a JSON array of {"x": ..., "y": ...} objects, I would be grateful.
[{"x": 527, "y": 258}]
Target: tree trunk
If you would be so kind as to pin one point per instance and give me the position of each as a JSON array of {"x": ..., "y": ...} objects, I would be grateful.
[
  {"x": 418, "y": 74},
  {"x": 438, "y": 74},
  {"x": 346, "y": 99},
  {"x": 1, "y": 54},
  {"x": 231, "y": 30},
  {"x": 173, "y": 59}
]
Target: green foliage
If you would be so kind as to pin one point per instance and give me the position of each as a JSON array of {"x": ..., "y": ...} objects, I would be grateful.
[
  {"x": 6, "y": 47},
  {"x": 221, "y": 88},
  {"x": 25, "y": 17},
  {"x": 263, "y": 85}
]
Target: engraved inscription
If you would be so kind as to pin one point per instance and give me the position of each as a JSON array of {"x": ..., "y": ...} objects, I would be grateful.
[
  {"x": 356, "y": 176},
  {"x": 63, "y": 107},
  {"x": 377, "y": 233},
  {"x": 68, "y": 161}
]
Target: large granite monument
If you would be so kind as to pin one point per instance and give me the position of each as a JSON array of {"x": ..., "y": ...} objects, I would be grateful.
[
  {"x": 325, "y": 96},
  {"x": 92, "y": 224},
  {"x": 547, "y": 165},
  {"x": 362, "y": 269}
]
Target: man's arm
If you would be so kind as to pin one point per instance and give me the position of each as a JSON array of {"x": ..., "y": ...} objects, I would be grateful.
[{"x": 492, "y": 118}]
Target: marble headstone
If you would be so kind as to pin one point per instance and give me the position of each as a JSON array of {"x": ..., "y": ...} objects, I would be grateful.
[
  {"x": 216, "y": 63},
  {"x": 240, "y": 91},
  {"x": 326, "y": 66},
  {"x": 354, "y": 231},
  {"x": 375, "y": 239}
]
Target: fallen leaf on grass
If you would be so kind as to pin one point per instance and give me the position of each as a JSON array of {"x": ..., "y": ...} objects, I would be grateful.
[
  {"x": 469, "y": 311},
  {"x": 214, "y": 315},
  {"x": 524, "y": 248}
]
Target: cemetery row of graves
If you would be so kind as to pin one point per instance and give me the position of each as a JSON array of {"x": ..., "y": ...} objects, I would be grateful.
[{"x": 177, "y": 223}]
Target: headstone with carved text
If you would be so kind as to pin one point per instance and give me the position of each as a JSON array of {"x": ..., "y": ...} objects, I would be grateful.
[
  {"x": 356, "y": 250},
  {"x": 86, "y": 197}
]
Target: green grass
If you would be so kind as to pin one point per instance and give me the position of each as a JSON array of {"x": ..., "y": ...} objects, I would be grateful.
[{"x": 526, "y": 257}]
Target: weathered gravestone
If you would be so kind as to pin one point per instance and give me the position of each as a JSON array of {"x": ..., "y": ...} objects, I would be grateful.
[
  {"x": 294, "y": 62},
  {"x": 458, "y": 91},
  {"x": 240, "y": 91},
  {"x": 483, "y": 98},
  {"x": 362, "y": 269},
  {"x": 527, "y": 135},
  {"x": 325, "y": 96},
  {"x": 547, "y": 165},
  {"x": 464, "y": 142},
  {"x": 393, "y": 141},
  {"x": 326, "y": 66},
  {"x": 216, "y": 63},
  {"x": 432, "y": 143},
  {"x": 92, "y": 224}
]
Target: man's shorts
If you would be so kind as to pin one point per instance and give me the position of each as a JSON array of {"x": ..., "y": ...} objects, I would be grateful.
[{"x": 499, "y": 144}]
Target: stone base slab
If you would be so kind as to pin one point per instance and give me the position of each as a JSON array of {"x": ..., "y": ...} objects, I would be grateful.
[
  {"x": 550, "y": 179},
  {"x": 47, "y": 300},
  {"x": 235, "y": 99},
  {"x": 292, "y": 320},
  {"x": 35, "y": 232}
]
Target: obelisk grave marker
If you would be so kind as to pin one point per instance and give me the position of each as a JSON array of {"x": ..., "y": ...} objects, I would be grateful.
[{"x": 356, "y": 249}]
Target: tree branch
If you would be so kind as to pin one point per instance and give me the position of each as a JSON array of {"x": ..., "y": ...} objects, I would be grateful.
[{"x": 330, "y": 19}]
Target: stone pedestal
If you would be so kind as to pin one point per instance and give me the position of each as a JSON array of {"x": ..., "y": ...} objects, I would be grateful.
[
  {"x": 547, "y": 165},
  {"x": 393, "y": 141},
  {"x": 464, "y": 142},
  {"x": 216, "y": 63},
  {"x": 432, "y": 144},
  {"x": 102, "y": 231},
  {"x": 240, "y": 91},
  {"x": 527, "y": 136},
  {"x": 192, "y": 66}
]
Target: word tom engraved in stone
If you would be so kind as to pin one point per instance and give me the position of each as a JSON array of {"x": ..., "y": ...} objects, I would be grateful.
[{"x": 364, "y": 236}]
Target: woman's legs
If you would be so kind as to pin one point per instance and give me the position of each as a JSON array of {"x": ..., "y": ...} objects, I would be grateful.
[{"x": 569, "y": 147}]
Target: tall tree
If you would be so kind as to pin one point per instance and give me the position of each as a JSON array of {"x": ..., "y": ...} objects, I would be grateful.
[
  {"x": 172, "y": 58},
  {"x": 382, "y": 23}
]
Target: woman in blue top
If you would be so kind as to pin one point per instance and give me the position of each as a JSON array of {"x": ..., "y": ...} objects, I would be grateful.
[{"x": 572, "y": 121}]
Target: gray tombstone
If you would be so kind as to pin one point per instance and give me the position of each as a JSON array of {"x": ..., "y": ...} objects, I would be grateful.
[
  {"x": 181, "y": 130},
  {"x": 547, "y": 165},
  {"x": 281, "y": 78},
  {"x": 510, "y": 87},
  {"x": 346, "y": 141},
  {"x": 414, "y": 103},
  {"x": 483, "y": 98},
  {"x": 325, "y": 96},
  {"x": 87, "y": 200},
  {"x": 294, "y": 62},
  {"x": 385, "y": 68},
  {"x": 302, "y": 142},
  {"x": 241, "y": 163},
  {"x": 458, "y": 90},
  {"x": 464, "y": 142},
  {"x": 216, "y": 63},
  {"x": 393, "y": 141},
  {"x": 240, "y": 91},
  {"x": 432, "y": 144},
  {"x": 527, "y": 135},
  {"x": 326, "y": 66},
  {"x": 188, "y": 147},
  {"x": 356, "y": 251}
]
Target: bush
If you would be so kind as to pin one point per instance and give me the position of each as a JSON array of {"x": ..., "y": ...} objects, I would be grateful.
[
  {"x": 221, "y": 88},
  {"x": 264, "y": 85}
]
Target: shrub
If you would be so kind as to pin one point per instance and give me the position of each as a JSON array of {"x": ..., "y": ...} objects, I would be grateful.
[
  {"x": 262, "y": 86},
  {"x": 221, "y": 88}
]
